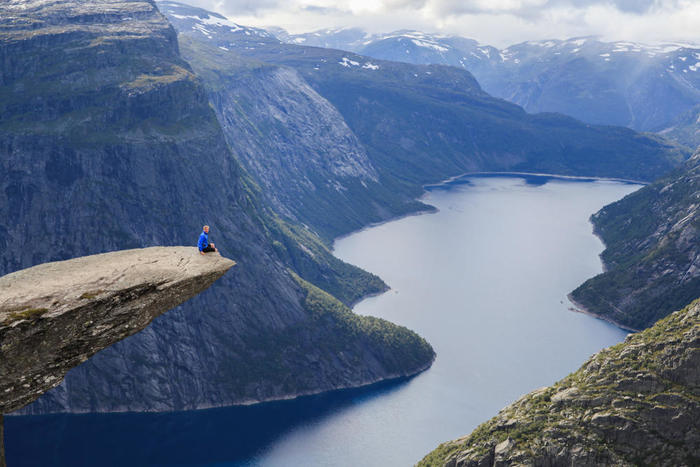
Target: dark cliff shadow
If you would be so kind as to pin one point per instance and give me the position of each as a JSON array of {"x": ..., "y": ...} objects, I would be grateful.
[{"x": 230, "y": 436}]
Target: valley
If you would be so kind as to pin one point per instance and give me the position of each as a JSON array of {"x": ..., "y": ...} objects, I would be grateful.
[{"x": 414, "y": 219}]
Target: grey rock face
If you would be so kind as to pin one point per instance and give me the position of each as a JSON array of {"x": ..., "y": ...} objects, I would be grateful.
[
  {"x": 635, "y": 403},
  {"x": 55, "y": 316},
  {"x": 306, "y": 160},
  {"x": 308, "y": 147}
]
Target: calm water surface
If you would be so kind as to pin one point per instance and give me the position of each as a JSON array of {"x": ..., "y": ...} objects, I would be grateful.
[{"x": 484, "y": 280}]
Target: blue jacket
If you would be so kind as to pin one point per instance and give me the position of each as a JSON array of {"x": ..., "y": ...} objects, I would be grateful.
[{"x": 203, "y": 241}]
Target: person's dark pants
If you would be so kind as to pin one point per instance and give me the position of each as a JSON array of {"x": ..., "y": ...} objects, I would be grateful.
[{"x": 208, "y": 249}]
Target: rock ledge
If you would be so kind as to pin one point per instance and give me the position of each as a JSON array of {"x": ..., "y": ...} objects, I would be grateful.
[{"x": 55, "y": 316}]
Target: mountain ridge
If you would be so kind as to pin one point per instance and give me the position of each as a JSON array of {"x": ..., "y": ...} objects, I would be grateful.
[{"x": 595, "y": 81}]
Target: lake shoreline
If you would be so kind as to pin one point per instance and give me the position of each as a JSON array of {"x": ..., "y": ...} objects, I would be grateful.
[
  {"x": 578, "y": 308},
  {"x": 429, "y": 209},
  {"x": 580, "y": 178},
  {"x": 391, "y": 378}
]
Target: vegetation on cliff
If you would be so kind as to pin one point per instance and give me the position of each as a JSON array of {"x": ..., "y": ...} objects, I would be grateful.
[
  {"x": 401, "y": 350},
  {"x": 652, "y": 251},
  {"x": 636, "y": 403}
]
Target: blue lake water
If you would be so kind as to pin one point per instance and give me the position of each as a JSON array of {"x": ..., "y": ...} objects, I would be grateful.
[{"x": 484, "y": 279}]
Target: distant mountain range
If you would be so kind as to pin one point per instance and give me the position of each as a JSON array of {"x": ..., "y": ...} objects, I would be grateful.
[{"x": 644, "y": 87}]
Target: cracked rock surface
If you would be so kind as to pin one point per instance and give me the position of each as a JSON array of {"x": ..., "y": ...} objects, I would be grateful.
[{"x": 55, "y": 316}]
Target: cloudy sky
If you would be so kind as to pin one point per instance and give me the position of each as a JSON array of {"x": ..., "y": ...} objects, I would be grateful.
[{"x": 496, "y": 22}]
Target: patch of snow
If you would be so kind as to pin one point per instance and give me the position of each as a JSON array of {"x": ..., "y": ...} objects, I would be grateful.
[
  {"x": 683, "y": 59},
  {"x": 578, "y": 42},
  {"x": 694, "y": 67},
  {"x": 576, "y": 50},
  {"x": 346, "y": 62},
  {"x": 604, "y": 55},
  {"x": 299, "y": 40},
  {"x": 486, "y": 52},
  {"x": 202, "y": 29},
  {"x": 429, "y": 45},
  {"x": 223, "y": 48},
  {"x": 370, "y": 66},
  {"x": 547, "y": 44}
]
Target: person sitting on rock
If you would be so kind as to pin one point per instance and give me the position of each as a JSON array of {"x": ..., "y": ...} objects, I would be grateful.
[{"x": 203, "y": 244}]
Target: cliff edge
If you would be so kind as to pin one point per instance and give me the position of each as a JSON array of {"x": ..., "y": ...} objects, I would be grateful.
[
  {"x": 636, "y": 403},
  {"x": 55, "y": 316}
]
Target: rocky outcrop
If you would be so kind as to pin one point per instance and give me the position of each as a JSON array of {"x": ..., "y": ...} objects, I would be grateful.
[
  {"x": 652, "y": 253},
  {"x": 56, "y": 315},
  {"x": 636, "y": 403}
]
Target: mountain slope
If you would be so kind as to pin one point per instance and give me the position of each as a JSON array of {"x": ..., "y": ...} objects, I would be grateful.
[
  {"x": 108, "y": 142},
  {"x": 635, "y": 403},
  {"x": 652, "y": 251},
  {"x": 686, "y": 128}
]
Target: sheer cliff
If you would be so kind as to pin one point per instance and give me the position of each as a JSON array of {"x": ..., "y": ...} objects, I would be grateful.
[
  {"x": 107, "y": 141},
  {"x": 652, "y": 252},
  {"x": 635, "y": 403}
]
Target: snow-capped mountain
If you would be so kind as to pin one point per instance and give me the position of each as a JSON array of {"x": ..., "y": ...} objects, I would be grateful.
[
  {"x": 642, "y": 86},
  {"x": 350, "y": 39},
  {"x": 215, "y": 27},
  {"x": 645, "y": 87}
]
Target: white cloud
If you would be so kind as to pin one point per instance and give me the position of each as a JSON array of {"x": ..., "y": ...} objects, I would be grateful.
[{"x": 497, "y": 22}]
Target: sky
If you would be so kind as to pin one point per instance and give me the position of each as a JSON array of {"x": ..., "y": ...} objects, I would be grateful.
[{"x": 494, "y": 22}]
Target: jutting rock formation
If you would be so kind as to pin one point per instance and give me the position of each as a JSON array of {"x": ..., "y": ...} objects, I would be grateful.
[
  {"x": 55, "y": 316},
  {"x": 636, "y": 403}
]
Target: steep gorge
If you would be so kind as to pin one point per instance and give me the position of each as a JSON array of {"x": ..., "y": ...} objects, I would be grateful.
[{"x": 108, "y": 142}]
